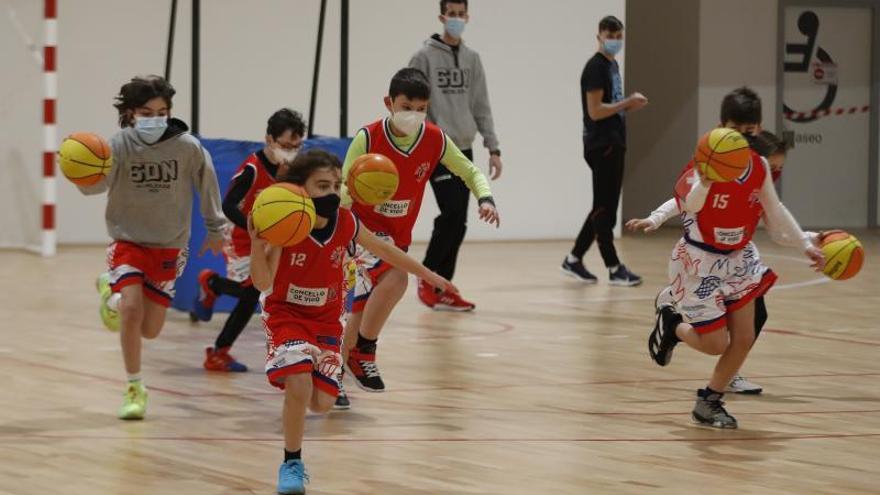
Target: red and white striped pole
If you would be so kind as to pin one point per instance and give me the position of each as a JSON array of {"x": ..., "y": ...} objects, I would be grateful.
[{"x": 50, "y": 94}]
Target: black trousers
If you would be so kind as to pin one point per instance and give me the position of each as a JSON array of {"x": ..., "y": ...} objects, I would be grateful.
[
  {"x": 607, "y": 166},
  {"x": 451, "y": 224},
  {"x": 248, "y": 297}
]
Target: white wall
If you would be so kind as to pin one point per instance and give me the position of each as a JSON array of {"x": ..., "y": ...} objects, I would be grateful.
[
  {"x": 257, "y": 57},
  {"x": 737, "y": 48}
]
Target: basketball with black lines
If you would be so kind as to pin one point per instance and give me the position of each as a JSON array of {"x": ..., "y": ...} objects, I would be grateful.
[
  {"x": 84, "y": 158},
  {"x": 843, "y": 253},
  {"x": 722, "y": 155},
  {"x": 372, "y": 179},
  {"x": 283, "y": 214}
]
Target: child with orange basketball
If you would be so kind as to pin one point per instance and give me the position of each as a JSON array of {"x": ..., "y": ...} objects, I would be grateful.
[
  {"x": 715, "y": 270},
  {"x": 303, "y": 289},
  {"x": 284, "y": 137},
  {"x": 416, "y": 147},
  {"x": 156, "y": 166},
  {"x": 741, "y": 111}
]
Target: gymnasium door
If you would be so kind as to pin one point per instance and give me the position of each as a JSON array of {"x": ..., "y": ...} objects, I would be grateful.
[{"x": 826, "y": 93}]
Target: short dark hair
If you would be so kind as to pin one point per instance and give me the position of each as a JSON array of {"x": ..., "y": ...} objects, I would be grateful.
[
  {"x": 411, "y": 83},
  {"x": 283, "y": 120},
  {"x": 305, "y": 164},
  {"x": 137, "y": 92},
  {"x": 741, "y": 106},
  {"x": 611, "y": 24},
  {"x": 768, "y": 144},
  {"x": 444, "y": 3}
]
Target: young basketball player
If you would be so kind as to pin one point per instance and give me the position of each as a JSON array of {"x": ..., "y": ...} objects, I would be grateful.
[
  {"x": 156, "y": 166},
  {"x": 303, "y": 291},
  {"x": 284, "y": 137},
  {"x": 416, "y": 147},
  {"x": 767, "y": 145},
  {"x": 716, "y": 273},
  {"x": 741, "y": 111}
]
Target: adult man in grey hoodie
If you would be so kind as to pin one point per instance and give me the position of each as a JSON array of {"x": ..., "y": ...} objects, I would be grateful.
[{"x": 460, "y": 106}]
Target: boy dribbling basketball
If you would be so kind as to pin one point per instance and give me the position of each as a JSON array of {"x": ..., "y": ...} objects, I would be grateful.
[
  {"x": 157, "y": 166},
  {"x": 303, "y": 289},
  {"x": 416, "y": 147},
  {"x": 716, "y": 273}
]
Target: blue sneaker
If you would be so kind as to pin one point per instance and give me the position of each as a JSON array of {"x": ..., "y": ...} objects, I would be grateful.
[
  {"x": 292, "y": 477},
  {"x": 203, "y": 306}
]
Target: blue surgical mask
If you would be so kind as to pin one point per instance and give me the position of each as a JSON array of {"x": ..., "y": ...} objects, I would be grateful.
[
  {"x": 612, "y": 47},
  {"x": 150, "y": 129},
  {"x": 455, "y": 26}
]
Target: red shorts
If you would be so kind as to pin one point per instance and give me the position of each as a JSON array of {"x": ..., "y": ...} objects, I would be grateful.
[
  {"x": 292, "y": 344},
  {"x": 156, "y": 269}
]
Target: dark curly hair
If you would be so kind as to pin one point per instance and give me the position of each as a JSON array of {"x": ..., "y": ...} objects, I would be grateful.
[{"x": 137, "y": 92}]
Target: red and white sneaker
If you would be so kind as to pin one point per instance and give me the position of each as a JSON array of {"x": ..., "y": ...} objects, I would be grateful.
[
  {"x": 427, "y": 294},
  {"x": 447, "y": 301}
]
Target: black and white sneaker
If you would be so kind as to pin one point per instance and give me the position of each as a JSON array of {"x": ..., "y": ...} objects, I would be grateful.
[
  {"x": 342, "y": 403},
  {"x": 709, "y": 411},
  {"x": 623, "y": 277},
  {"x": 578, "y": 271},
  {"x": 663, "y": 340},
  {"x": 739, "y": 385}
]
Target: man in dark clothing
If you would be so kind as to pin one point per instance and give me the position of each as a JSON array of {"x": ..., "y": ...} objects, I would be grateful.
[{"x": 604, "y": 110}]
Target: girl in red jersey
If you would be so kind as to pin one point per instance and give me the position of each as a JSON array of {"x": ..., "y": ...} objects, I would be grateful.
[{"x": 303, "y": 290}]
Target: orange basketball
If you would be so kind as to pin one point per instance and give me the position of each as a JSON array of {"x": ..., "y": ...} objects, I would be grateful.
[
  {"x": 372, "y": 179},
  {"x": 844, "y": 254},
  {"x": 84, "y": 158},
  {"x": 283, "y": 214},
  {"x": 722, "y": 155}
]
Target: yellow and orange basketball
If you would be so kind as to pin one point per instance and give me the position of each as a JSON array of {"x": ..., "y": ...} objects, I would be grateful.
[
  {"x": 372, "y": 179},
  {"x": 844, "y": 254},
  {"x": 84, "y": 158},
  {"x": 722, "y": 155},
  {"x": 283, "y": 214}
]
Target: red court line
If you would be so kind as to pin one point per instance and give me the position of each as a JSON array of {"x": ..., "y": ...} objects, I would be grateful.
[
  {"x": 68, "y": 371},
  {"x": 278, "y": 439},
  {"x": 821, "y": 337}
]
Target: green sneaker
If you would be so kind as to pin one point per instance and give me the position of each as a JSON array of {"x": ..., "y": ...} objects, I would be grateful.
[
  {"x": 134, "y": 406},
  {"x": 109, "y": 317}
]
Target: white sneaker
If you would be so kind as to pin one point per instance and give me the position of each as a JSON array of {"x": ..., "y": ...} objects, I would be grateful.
[{"x": 739, "y": 385}]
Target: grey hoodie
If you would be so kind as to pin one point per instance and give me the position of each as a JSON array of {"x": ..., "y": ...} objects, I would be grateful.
[
  {"x": 151, "y": 188},
  {"x": 459, "y": 98}
]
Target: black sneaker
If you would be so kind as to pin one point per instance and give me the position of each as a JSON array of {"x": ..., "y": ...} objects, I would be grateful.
[
  {"x": 709, "y": 411},
  {"x": 663, "y": 340},
  {"x": 362, "y": 366},
  {"x": 578, "y": 271},
  {"x": 342, "y": 402},
  {"x": 624, "y": 277}
]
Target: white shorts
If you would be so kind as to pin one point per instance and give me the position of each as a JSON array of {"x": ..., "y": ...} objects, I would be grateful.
[
  {"x": 706, "y": 286},
  {"x": 238, "y": 268},
  {"x": 368, "y": 269}
]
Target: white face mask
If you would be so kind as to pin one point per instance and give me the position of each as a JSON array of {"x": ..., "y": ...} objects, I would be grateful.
[
  {"x": 283, "y": 156},
  {"x": 408, "y": 121}
]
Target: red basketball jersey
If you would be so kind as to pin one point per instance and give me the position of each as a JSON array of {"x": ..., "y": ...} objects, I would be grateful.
[
  {"x": 397, "y": 216},
  {"x": 241, "y": 241},
  {"x": 310, "y": 283},
  {"x": 730, "y": 215}
]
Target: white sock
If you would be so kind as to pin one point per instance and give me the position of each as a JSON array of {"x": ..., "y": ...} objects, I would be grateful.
[
  {"x": 613, "y": 269},
  {"x": 571, "y": 259},
  {"x": 135, "y": 378},
  {"x": 113, "y": 301}
]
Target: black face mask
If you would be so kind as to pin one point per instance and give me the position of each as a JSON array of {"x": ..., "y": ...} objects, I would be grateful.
[{"x": 326, "y": 206}]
